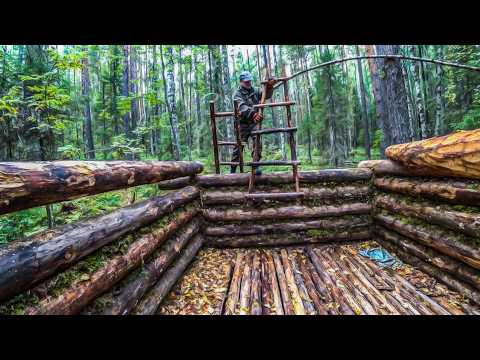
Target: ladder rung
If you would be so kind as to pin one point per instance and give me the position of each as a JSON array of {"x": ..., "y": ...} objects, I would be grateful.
[
  {"x": 275, "y": 196},
  {"x": 230, "y": 143},
  {"x": 224, "y": 114},
  {"x": 229, "y": 163},
  {"x": 272, "y": 163},
  {"x": 274, "y": 130},
  {"x": 282, "y": 103}
]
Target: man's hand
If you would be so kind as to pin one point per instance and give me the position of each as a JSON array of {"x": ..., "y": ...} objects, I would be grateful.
[{"x": 257, "y": 117}]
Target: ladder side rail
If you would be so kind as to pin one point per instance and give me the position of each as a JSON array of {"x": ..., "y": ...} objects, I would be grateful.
[{"x": 214, "y": 137}]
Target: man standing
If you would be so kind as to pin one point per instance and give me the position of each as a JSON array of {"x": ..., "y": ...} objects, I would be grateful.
[{"x": 246, "y": 97}]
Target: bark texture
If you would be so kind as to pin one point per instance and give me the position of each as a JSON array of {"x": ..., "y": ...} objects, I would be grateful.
[
  {"x": 456, "y": 154},
  {"x": 28, "y": 184},
  {"x": 27, "y": 262}
]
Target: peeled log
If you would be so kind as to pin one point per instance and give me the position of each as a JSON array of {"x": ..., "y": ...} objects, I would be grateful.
[
  {"x": 433, "y": 271},
  {"x": 134, "y": 290},
  {"x": 289, "y": 212},
  {"x": 78, "y": 296},
  {"x": 456, "y": 154},
  {"x": 287, "y": 239},
  {"x": 443, "y": 262},
  {"x": 454, "y": 192},
  {"x": 389, "y": 167},
  {"x": 466, "y": 223},
  {"x": 25, "y": 185},
  {"x": 25, "y": 263},
  {"x": 257, "y": 229},
  {"x": 153, "y": 299},
  {"x": 241, "y": 197},
  {"x": 448, "y": 244}
]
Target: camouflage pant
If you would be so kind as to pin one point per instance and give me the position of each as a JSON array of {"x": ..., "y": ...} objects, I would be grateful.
[{"x": 245, "y": 134}]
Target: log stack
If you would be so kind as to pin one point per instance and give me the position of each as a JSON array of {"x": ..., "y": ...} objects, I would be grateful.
[
  {"x": 68, "y": 269},
  {"x": 426, "y": 205},
  {"x": 334, "y": 206}
]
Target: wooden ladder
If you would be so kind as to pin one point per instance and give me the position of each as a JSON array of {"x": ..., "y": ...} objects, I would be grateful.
[
  {"x": 216, "y": 143},
  {"x": 290, "y": 129}
]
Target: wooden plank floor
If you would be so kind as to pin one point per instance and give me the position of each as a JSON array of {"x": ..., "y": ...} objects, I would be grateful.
[{"x": 314, "y": 280}]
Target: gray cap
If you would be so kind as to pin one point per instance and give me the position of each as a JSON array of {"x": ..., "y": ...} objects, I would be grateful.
[{"x": 245, "y": 76}]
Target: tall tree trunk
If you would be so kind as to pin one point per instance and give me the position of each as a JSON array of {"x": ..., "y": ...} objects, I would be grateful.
[
  {"x": 126, "y": 89},
  {"x": 422, "y": 120},
  {"x": 90, "y": 152},
  {"x": 439, "y": 101},
  {"x": 113, "y": 81},
  {"x": 172, "y": 108},
  {"x": 363, "y": 102},
  {"x": 198, "y": 117}
]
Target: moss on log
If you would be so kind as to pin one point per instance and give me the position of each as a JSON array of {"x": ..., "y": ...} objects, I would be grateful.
[
  {"x": 455, "y": 192},
  {"x": 81, "y": 293},
  {"x": 25, "y": 185},
  {"x": 447, "y": 243},
  {"x": 289, "y": 212},
  {"x": 464, "y": 222},
  {"x": 25, "y": 263},
  {"x": 362, "y": 233},
  {"x": 153, "y": 299}
]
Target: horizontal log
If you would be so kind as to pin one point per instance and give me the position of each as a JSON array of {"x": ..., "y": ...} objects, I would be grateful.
[
  {"x": 224, "y": 114},
  {"x": 134, "y": 290},
  {"x": 280, "y": 103},
  {"x": 456, "y": 268},
  {"x": 25, "y": 185},
  {"x": 446, "y": 243},
  {"x": 463, "y": 222},
  {"x": 454, "y": 192},
  {"x": 362, "y": 233},
  {"x": 389, "y": 167},
  {"x": 456, "y": 154},
  {"x": 273, "y": 131},
  {"x": 25, "y": 263},
  {"x": 290, "y": 212},
  {"x": 79, "y": 295},
  {"x": 280, "y": 178},
  {"x": 317, "y": 194},
  {"x": 287, "y": 196},
  {"x": 153, "y": 299},
  {"x": 257, "y": 229},
  {"x": 272, "y": 163},
  {"x": 229, "y": 163},
  {"x": 454, "y": 284}
]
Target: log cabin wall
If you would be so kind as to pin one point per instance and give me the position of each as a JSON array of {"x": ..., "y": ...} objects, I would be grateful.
[
  {"x": 123, "y": 262},
  {"x": 335, "y": 207},
  {"x": 432, "y": 223}
]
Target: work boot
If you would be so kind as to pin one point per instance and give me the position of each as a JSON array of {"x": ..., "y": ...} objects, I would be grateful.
[
  {"x": 258, "y": 171},
  {"x": 233, "y": 170}
]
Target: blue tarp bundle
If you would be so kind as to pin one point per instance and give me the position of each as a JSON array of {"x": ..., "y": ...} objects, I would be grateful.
[{"x": 381, "y": 257}]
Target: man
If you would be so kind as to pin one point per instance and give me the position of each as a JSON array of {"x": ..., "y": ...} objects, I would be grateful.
[{"x": 246, "y": 97}]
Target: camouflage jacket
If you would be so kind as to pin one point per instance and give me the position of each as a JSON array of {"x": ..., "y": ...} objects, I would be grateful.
[{"x": 246, "y": 98}]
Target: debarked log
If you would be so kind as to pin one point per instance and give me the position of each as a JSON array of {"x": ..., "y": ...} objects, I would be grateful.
[
  {"x": 240, "y": 197},
  {"x": 393, "y": 168},
  {"x": 25, "y": 185},
  {"x": 79, "y": 295},
  {"x": 456, "y": 154},
  {"x": 287, "y": 239},
  {"x": 446, "y": 243},
  {"x": 134, "y": 290},
  {"x": 457, "y": 285},
  {"x": 286, "y": 227},
  {"x": 467, "y": 223},
  {"x": 455, "y": 192},
  {"x": 25, "y": 263},
  {"x": 288, "y": 212},
  {"x": 153, "y": 299},
  {"x": 443, "y": 262}
]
